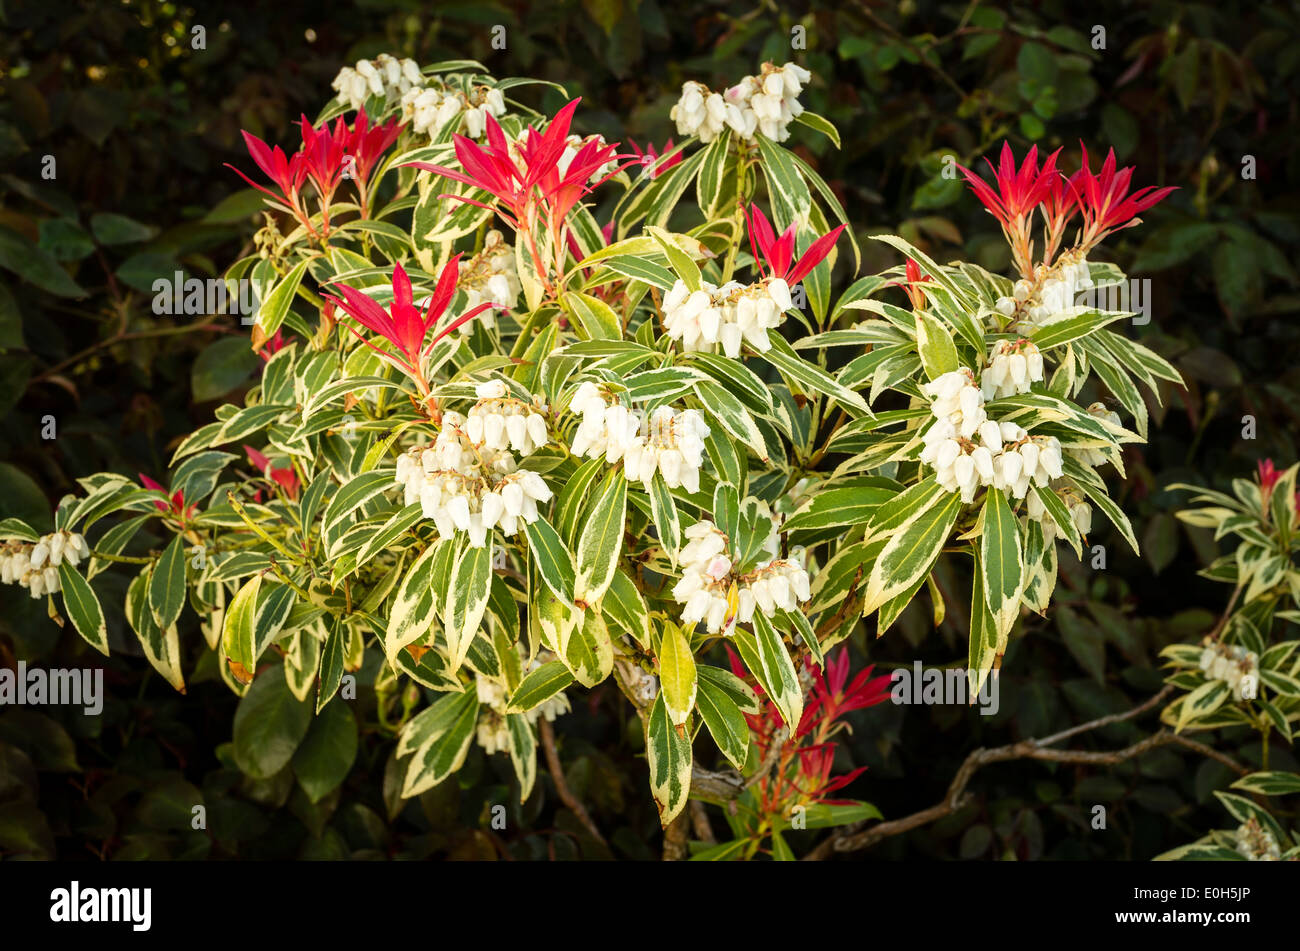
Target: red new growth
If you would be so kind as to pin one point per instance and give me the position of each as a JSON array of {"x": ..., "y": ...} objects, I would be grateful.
[
  {"x": 656, "y": 163},
  {"x": 773, "y": 256},
  {"x": 1104, "y": 200},
  {"x": 284, "y": 477},
  {"x": 1018, "y": 193},
  {"x": 175, "y": 506},
  {"x": 524, "y": 178},
  {"x": 404, "y": 326},
  {"x": 802, "y": 774}
]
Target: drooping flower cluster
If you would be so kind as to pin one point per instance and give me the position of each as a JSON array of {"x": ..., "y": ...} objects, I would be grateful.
[
  {"x": 737, "y": 313},
  {"x": 1051, "y": 291},
  {"x": 1013, "y": 366},
  {"x": 1080, "y": 511},
  {"x": 35, "y": 565},
  {"x": 489, "y": 276},
  {"x": 492, "y": 732},
  {"x": 967, "y": 450},
  {"x": 669, "y": 442},
  {"x": 1093, "y": 457},
  {"x": 1256, "y": 843},
  {"x": 469, "y": 480},
  {"x": 713, "y": 593},
  {"x": 381, "y": 76},
  {"x": 1236, "y": 666},
  {"x": 432, "y": 107},
  {"x": 732, "y": 314},
  {"x": 766, "y": 103}
]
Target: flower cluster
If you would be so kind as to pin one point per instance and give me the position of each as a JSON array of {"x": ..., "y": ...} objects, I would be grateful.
[
  {"x": 430, "y": 108},
  {"x": 1013, "y": 366},
  {"x": 1093, "y": 457},
  {"x": 968, "y": 450},
  {"x": 35, "y": 565},
  {"x": 1256, "y": 843},
  {"x": 378, "y": 77},
  {"x": 1080, "y": 512},
  {"x": 766, "y": 103},
  {"x": 670, "y": 443},
  {"x": 714, "y": 594},
  {"x": 468, "y": 480},
  {"x": 729, "y": 315},
  {"x": 1052, "y": 290},
  {"x": 1235, "y": 666},
  {"x": 489, "y": 276},
  {"x": 493, "y": 697}
]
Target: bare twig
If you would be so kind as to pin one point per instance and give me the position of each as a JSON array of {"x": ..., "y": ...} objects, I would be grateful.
[
  {"x": 858, "y": 836},
  {"x": 561, "y": 785},
  {"x": 700, "y": 823},
  {"x": 675, "y": 838}
]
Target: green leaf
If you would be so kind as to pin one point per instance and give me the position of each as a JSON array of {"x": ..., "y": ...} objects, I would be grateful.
[
  {"x": 1274, "y": 783},
  {"x": 161, "y": 646},
  {"x": 539, "y": 686},
  {"x": 415, "y": 604},
  {"x": 444, "y": 753},
  {"x": 601, "y": 540},
  {"x": 523, "y": 752},
  {"x": 83, "y": 607},
  {"x": 33, "y": 263},
  {"x": 221, "y": 367},
  {"x": 676, "y": 673},
  {"x": 269, "y": 724},
  {"x": 237, "y": 636},
  {"x": 911, "y": 550},
  {"x": 767, "y": 659},
  {"x": 663, "y": 509},
  {"x": 1001, "y": 562},
  {"x": 678, "y": 259},
  {"x": 1072, "y": 324},
  {"x": 331, "y": 663},
  {"x": 1201, "y": 702},
  {"x": 109, "y": 228},
  {"x": 812, "y": 378},
  {"x": 936, "y": 346},
  {"x": 822, "y": 125},
  {"x": 831, "y": 508},
  {"x": 624, "y": 606},
  {"x": 554, "y": 563},
  {"x": 326, "y": 754},
  {"x": 596, "y": 318},
  {"x": 272, "y": 312},
  {"x": 588, "y": 651},
  {"x": 167, "y": 584},
  {"x": 471, "y": 582},
  {"x": 351, "y": 496},
  {"x": 726, "y": 723},
  {"x": 668, "y": 751}
]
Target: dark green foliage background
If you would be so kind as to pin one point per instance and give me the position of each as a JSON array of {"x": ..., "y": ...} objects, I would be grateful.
[{"x": 140, "y": 124}]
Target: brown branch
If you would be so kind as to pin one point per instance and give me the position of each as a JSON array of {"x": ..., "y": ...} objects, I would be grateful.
[
  {"x": 859, "y": 836},
  {"x": 700, "y": 823},
  {"x": 675, "y": 838},
  {"x": 561, "y": 785}
]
